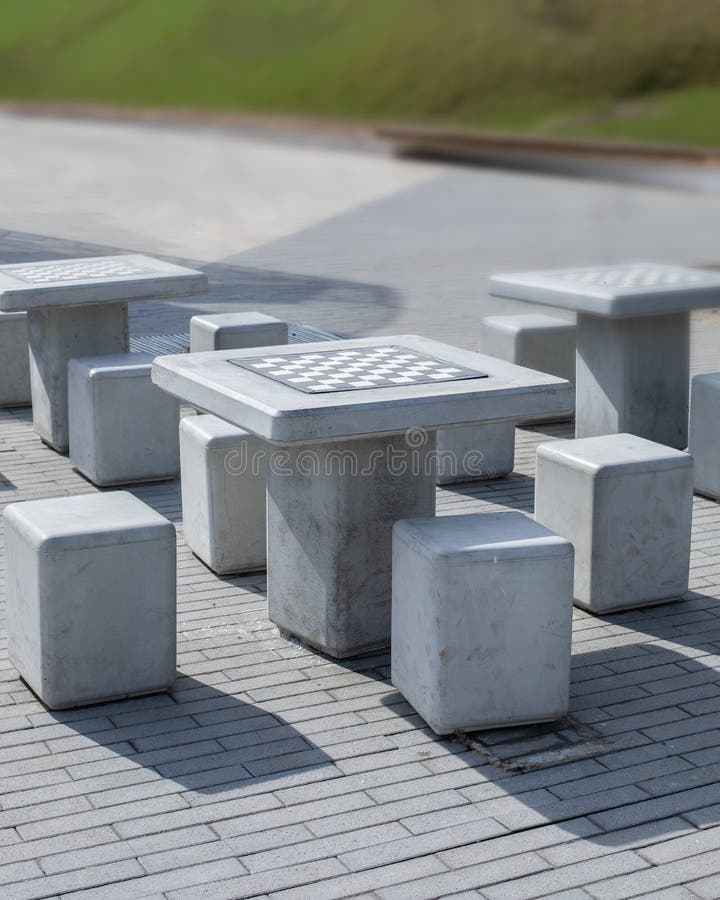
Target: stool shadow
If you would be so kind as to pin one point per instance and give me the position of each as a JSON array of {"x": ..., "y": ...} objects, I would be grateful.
[
  {"x": 601, "y": 772},
  {"x": 204, "y": 739}
]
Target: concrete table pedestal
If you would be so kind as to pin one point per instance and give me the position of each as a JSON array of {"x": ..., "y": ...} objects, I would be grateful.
[
  {"x": 704, "y": 438},
  {"x": 78, "y": 307},
  {"x": 633, "y": 376},
  {"x": 633, "y": 343},
  {"x": 476, "y": 453},
  {"x": 351, "y": 431},
  {"x": 55, "y": 337},
  {"x": 15, "y": 372},
  {"x": 331, "y": 510}
]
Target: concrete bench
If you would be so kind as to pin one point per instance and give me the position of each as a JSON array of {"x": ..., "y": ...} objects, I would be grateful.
[
  {"x": 481, "y": 620},
  {"x": 15, "y": 357},
  {"x": 234, "y": 331},
  {"x": 90, "y": 597},
  {"x": 123, "y": 429},
  {"x": 626, "y": 504},
  {"x": 223, "y": 478},
  {"x": 704, "y": 434}
]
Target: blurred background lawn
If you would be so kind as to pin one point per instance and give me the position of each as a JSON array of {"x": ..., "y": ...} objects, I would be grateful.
[{"x": 639, "y": 69}]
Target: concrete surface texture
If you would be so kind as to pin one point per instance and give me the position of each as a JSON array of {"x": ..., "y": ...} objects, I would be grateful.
[
  {"x": 15, "y": 380},
  {"x": 233, "y": 330},
  {"x": 123, "y": 429},
  {"x": 541, "y": 342},
  {"x": 704, "y": 433},
  {"x": 481, "y": 620},
  {"x": 475, "y": 452},
  {"x": 91, "y": 597},
  {"x": 223, "y": 478},
  {"x": 269, "y": 770},
  {"x": 330, "y": 512},
  {"x": 626, "y": 504}
]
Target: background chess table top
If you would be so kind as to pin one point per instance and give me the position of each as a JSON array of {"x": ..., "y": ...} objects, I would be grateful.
[
  {"x": 355, "y": 370},
  {"x": 93, "y": 280},
  {"x": 631, "y": 289}
]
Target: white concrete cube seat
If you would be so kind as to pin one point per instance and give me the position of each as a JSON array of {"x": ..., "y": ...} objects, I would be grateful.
[
  {"x": 481, "y": 620},
  {"x": 14, "y": 360},
  {"x": 90, "y": 597},
  {"x": 123, "y": 429},
  {"x": 704, "y": 435},
  {"x": 540, "y": 342},
  {"x": 534, "y": 340},
  {"x": 223, "y": 478},
  {"x": 475, "y": 452},
  {"x": 626, "y": 504},
  {"x": 234, "y": 331}
]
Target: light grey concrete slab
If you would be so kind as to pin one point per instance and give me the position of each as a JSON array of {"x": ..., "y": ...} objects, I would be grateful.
[
  {"x": 15, "y": 376},
  {"x": 631, "y": 289},
  {"x": 93, "y": 280},
  {"x": 122, "y": 428},
  {"x": 481, "y": 620},
  {"x": 223, "y": 477},
  {"x": 704, "y": 442},
  {"x": 228, "y": 331},
  {"x": 626, "y": 504},
  {"x": 90, "y": 597},
  {"x": 283, "y": 414}
]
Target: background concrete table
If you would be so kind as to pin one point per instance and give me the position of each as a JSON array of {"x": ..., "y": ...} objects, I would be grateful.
[
  {"x": 349, "y": 462},
  {"x": 78, "y": 307},
  {"x": 633, "y": 341}
]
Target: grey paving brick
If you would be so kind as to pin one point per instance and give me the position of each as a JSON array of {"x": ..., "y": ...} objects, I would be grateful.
[{"x": 657, "y": 877}]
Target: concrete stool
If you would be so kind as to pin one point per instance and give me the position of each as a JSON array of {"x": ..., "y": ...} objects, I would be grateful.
[
  {"x": 123, "y": 429},
  {"x": 15, "y": 357},
  {"x": 233, "y": 331},
  {"x": 90, "y": 597},
  {"x": 626, "y": 504},
  {"x": 536, "y": 341},
  {"x": 223, "y": 494},
  {"x": 475, "y": 453},
  {"x": 704, "y": 436},
  {"x": 481, "y": 620}
]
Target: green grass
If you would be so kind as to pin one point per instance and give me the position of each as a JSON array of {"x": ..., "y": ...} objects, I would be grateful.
[{"x": 641, "y": 69}]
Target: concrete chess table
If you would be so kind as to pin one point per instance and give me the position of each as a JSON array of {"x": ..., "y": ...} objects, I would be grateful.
[
  {"x": 633, "y": 341},
  {"x": 78, "y": 307},
  {"x": 351, "y": 450}
]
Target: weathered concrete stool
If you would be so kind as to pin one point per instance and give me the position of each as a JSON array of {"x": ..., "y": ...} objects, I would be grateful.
[
  {"x": 223, "y": 477},
  {"x": 475, "y": 453},
  {"x": 704, "y": 437},
  {"x": 15, "y": 357},
  {"x": 123, "y": 429},
  {"x": 481, "y": 620},
  {"x": 626, "y": 504},
  {"x": 544, "y": 343},
  {"x": 90, "y": 597},
  {"x": 233, "y": 331}
]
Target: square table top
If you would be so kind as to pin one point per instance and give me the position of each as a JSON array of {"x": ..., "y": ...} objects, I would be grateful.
[
  {"x": 631, "y": 289},
  {"x": 286, "y": 414},
  {"x": 95, "y": 279}
]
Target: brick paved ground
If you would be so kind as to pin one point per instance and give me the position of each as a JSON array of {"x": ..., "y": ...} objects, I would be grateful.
[{"x": 271, "y": 771}]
